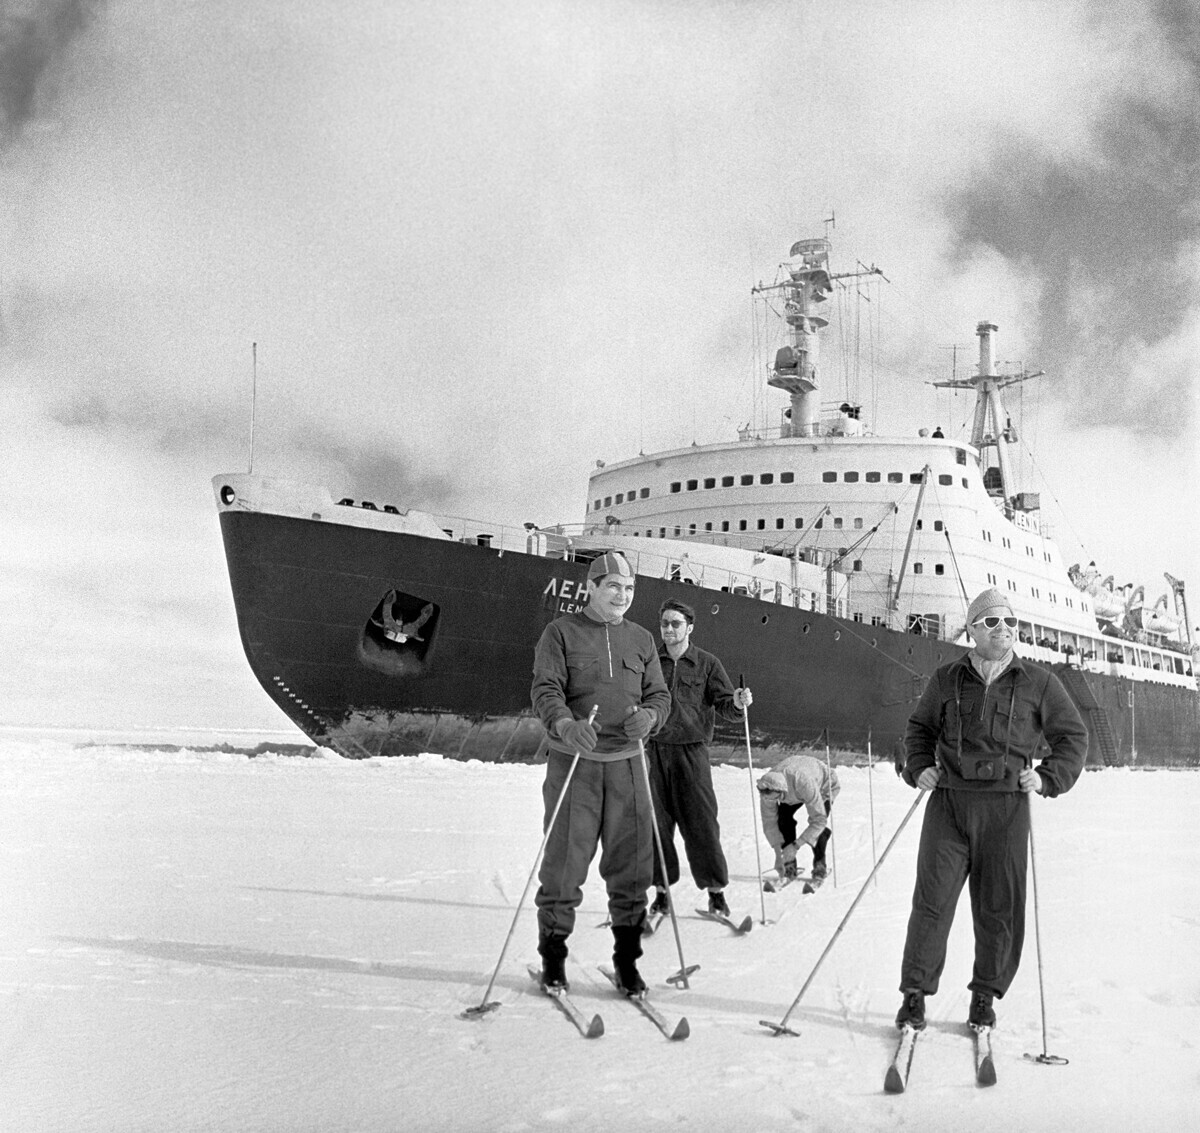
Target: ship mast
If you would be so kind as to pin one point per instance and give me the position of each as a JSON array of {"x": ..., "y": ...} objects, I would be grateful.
[
  {"x": 809, "y": 284},
  {"x": 992, "y": 427},
  {"x": 795, "y": 366}
]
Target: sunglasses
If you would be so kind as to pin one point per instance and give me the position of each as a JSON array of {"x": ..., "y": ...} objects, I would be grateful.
[
  {"x": 669, "y": 624},
  {"x": 991, "y": 622}
]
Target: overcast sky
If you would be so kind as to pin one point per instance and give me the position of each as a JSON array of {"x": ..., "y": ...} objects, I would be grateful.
[{"x": 482, "y": 245}]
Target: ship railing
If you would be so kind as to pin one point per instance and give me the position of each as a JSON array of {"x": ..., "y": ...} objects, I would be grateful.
[
  {"x": 742, "y": 541},
  {"x": 506, "y": 537},
  {"x": 920, "y": 625},
  {"x": 832, "y": 423},
  {"x": 562, "y": 541}
]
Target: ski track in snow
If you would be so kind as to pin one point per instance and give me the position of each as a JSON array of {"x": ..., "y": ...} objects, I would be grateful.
[{"x": 201, "y": 940}]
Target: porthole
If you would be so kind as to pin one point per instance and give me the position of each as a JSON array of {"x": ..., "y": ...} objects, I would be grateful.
[
  {"x": 766, "y": 618},
  {"x": 716, "y": 609},
  {"x": 874, "y": 643},
  {"x": 837, "y": 635},
  {"x": 807, "y": 627},
  {"x": 228, "y": 495}
]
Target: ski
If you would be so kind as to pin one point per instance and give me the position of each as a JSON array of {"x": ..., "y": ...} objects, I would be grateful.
[
  {"x": 745, "y": 925},
  {"x": 985, "y": 1068},
  {"x": 681, "y": 1030},
  {"x": 774, "y": 885},
  {"x": 896, "y": 1080},
  {"x": 589, "y": 1030},
  {"x": 813, "y": 884}
]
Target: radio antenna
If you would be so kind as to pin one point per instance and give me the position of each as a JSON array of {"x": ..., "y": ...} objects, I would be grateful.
[{"x": 253, "y": 397}]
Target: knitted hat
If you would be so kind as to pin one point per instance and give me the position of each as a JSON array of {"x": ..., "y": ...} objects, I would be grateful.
[
  {"x": 987, "y": 600},
  {"x": 611, "y": 562},
  {"x": 772, "y": 781}
]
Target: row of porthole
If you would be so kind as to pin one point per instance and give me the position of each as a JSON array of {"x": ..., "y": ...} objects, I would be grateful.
[{"x": 837, "y": 633}]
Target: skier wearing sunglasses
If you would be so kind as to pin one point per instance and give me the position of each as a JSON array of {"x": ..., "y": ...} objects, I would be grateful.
[{"x": 972, "y": 742}]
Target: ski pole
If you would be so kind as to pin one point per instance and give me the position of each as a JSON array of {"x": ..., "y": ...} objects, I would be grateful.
[
  {"x": 762, "y": 901},
  {"x": 781, "y": 1028},
  {"x": 1044, "y": 1058},
  {"x": 484, "y": 1006},
  {"x": 680, "y": 977},
  {"x": 871, "y": 793},
  {"x": 828, "y": 814}
]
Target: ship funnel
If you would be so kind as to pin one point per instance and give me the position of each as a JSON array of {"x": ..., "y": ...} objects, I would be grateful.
[{"x": 987, "y": 349}]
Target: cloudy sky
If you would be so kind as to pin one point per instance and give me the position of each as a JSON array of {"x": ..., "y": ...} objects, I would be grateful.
[{"x": 480, "y": 246}]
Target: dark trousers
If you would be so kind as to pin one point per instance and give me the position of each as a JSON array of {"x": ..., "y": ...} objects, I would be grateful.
[
  {"x": 605, "y": 804},
  {"x": 681, "y": 781},
  {"x": 981, "y": 838},
  {"x": 786, "y": 821}
]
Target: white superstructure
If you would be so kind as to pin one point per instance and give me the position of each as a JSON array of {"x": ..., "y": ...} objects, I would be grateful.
[{"x": 917, "y": 524}]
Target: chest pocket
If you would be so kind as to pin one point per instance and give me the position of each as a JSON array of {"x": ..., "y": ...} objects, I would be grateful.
[
  {"x": 690, "y": 685},
  {"x": 583, "y": 673},
  {"x": 632, "y": 669},
  {"x": 959, "y": 715},
  {"x": 1011, "y": 720}
]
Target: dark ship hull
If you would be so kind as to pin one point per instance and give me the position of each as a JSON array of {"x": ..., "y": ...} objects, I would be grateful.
[{"x": 308, "y": 594}]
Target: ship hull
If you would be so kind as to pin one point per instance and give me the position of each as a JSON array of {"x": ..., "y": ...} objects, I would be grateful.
[{"x": 306, "y": 591}]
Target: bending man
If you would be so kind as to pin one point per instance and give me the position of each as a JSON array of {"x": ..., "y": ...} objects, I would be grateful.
[{"x": 795, "y": 782}]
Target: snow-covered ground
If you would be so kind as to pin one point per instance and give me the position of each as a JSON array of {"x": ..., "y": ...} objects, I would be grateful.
[{"x": 207, "y": 941}]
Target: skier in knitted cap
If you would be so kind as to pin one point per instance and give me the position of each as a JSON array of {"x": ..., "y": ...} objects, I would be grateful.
[
  {"x": 795, "y": 782},
  {"x": 585, "y": 660},
  {"x": 971, "y": 742}
]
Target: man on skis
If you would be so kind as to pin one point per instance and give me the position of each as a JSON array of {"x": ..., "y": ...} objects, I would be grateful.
[
  {"x": 680, "y": 769},
  {"x": 595, "y": 658},
  {"x": 971, "y": 743}
]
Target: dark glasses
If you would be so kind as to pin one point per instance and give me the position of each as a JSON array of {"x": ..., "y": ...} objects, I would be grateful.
[
  {"x": 668, "y": 623},
  {"x": 992, "y": 622}
]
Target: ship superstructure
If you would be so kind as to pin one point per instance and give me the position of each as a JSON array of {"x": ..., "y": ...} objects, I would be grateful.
[{"x": 919, "y": 524}]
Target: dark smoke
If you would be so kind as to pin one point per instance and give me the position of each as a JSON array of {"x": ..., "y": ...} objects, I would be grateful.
[
  {"x": 183, "y": 423},
  {"x": 32, "y": 37},
  {"x": 1108, "y": 242},
  {"x": 385, "y": 475},
  {"x": 169, "y": 423}
]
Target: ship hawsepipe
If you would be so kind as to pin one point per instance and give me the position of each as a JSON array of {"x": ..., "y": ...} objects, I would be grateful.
[{"x": 308, "y": 593}]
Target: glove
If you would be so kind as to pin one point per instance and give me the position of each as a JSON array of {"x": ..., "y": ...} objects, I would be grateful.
[
  {"x": 639, "y": 722},
  {"x": 578, "y": 735},
  {"x": 788, "y": 854},
  {"x": 928, "y": 779},
  {"x": 1030, "y": 781},
  {"x": 742, "y": 698}
]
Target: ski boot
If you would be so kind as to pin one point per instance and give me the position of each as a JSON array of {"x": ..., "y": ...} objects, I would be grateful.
[
  {"x": 912, "y": 1010},
  {"x": 552, "y": 947},
  {"x": 627, "y": 947},
  {"x": 982, "y": 1014}
]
